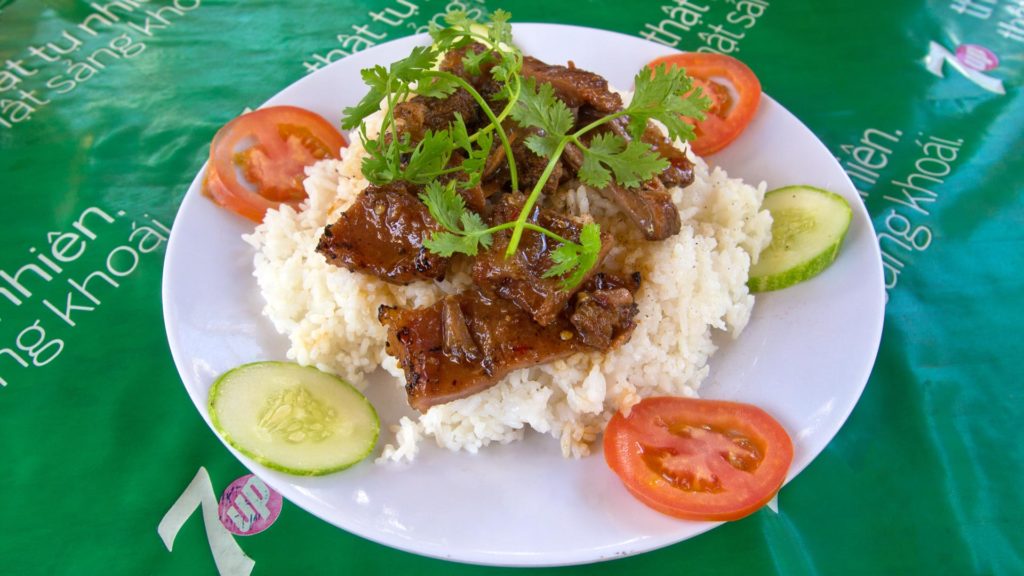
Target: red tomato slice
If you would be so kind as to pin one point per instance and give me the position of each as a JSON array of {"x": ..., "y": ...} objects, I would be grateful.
[
  {"x": 728, "y": 116},
  {"x": 699, "y": 459},
  {"x": 257, "y": 160}
]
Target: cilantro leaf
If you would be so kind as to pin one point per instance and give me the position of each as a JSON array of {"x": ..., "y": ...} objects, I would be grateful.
[
  {"x": 458, "y": 19},
  {"x": 601, "y": 147},
  {"x": 440, "y": 34},
  {"x": 376, "y": 78},
  {"x": 447, "y": 243},
  {"x": 506, "y": 91},
  {"x": 378, "y": 165},
  {"x": 436, "y": 87},
  {"x": 412, "y": 67},
  {"x": 576, "y": 258},
  {"x": 376, "y": 170},
  {"x": 499, "y": 29},
  {"x": 429, "y": 157},
  {"x": 476, "y": 156},
  {"x": 506, "y": 74},
  {"x": 398, "y": 76},
  {"x": 475, "y": 163},
  {"x": 444, "y": 203},
  {"x": 473, "y": 60},
  {"x": 665, "y": 96},
  {"x": 460, "y": 134},
  {"x": 465, "y": 230},
  {"x": 636, "y": 164},
  {"x": 476, "y": 160},
  {"x": 448, "y": 38},
  {"x": 457, "y": 33},
  {"x": 539, "y": 108},
  {"x": 474, "y": 225},
  {"x": 543, "y": 144},
  {"x": 632, "y": 163}
]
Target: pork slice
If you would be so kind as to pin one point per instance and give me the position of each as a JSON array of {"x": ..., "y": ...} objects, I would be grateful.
[
  {"x": 491, "y": 338},
  {"x": 382, "y": 234},
  {"x": 573, "y": 86}
]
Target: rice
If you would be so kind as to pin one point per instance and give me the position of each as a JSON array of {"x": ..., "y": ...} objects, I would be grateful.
[{"x": 694, "y": 283}]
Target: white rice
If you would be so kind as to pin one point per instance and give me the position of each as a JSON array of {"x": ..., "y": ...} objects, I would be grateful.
[{"x": 693, "y": 283}]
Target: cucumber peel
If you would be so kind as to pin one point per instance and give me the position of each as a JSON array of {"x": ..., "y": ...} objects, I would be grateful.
[
  {"x": 293, "y": 418},
  {"x": 808, "y": 227}
]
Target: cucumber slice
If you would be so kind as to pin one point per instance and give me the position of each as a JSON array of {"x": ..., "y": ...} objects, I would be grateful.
[
  {"x": 293, "y": 418},
  {"x": 808, "y": 227}
]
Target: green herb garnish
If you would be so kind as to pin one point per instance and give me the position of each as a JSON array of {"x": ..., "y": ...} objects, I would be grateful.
[
  {"x": 661, "y": 96},
  {"x": 607, "y": 157},
  {"x": 466, "y": 231}
]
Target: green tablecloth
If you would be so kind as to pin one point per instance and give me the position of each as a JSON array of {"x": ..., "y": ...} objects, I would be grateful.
[{"x": 111, "y": 105}]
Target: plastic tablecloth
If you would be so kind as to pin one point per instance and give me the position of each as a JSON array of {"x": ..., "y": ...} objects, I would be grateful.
[{"x": 107, "y": 109}]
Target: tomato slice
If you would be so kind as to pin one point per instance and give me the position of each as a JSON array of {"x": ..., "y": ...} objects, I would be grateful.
[
  {"x": 257, "y": 160},
  {"x": 734, "y": 91},
  {"x": 699, "y": 459}
]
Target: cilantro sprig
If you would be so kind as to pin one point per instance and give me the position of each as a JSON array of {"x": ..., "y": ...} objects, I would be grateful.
[
  {"x": 607, "y": 157},
  {"x": 465, "y": 233},
  {"x": 662, "y": 95},
  {"x": 577, "y": 259},
  {"x": 391, "y": 156}
]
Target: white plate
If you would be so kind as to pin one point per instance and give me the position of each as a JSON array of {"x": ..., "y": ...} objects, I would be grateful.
[{"x": 804, "y": 357}]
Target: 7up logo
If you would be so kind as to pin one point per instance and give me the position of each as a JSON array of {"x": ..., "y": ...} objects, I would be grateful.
[
  {"x": 248, "y": 506},
  {"x": 970, "y": 60}
]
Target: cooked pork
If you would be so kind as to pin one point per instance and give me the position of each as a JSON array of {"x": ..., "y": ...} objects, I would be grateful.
[
  {"x": 423, "y": 113},
  {"x": 382, "y": 234},
  {"x": 573, "y": 86},
  {"x": 451, "y": 355},
  {"x": 604, "y": 310},
  {"x": 466, "y": 343},
  {"x": 512, "y": 317}
]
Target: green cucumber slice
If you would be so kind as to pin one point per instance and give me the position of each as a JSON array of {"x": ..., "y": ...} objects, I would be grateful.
[
  {"x": 293, "y": 418},
  {"x": 808, "y": 227}
]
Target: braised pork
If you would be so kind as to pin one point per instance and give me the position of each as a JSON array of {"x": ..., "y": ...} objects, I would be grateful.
[
  {"x": 512, "y": 317},
  {"x": 573, "y": 86},
  {"x": 491, "y": 338},
  {"x": 382, "y": 234},
  {"x": 467, "y": 343}
]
